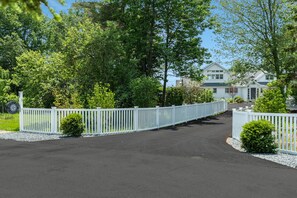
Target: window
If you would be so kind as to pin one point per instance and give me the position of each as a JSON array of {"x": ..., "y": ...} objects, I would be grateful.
[
  {"x": 234, "y": 90},
  {"x": 218, "y": 71},
  {"x": 231, "y": 90},
  {"x": 215, "y": 76},
  {"x": 215, "y": 71},
  {"x": 211, "y": 76},
  {"x": 269, "y": 77},
  {"x": 214, "y": 90}
]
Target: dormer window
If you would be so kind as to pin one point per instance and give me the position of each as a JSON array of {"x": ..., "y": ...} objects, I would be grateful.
[
  {"x": 269, "y": 77},
  {"x": 215, "y": 76},
  {"x": 215, "y": 71}
]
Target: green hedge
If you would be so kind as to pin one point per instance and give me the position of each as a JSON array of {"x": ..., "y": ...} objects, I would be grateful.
[
  {"x": 72, "y": 125},
  {"x": 272, "y": 101},
  {"x": 257, "y": 137}
]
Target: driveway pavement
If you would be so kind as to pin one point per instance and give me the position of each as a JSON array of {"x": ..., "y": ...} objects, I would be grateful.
[{"x": 189, "y": 161}]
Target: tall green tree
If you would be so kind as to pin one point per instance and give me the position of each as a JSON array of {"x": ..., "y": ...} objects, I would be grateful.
[
  {"x": 5, "y": 89},
  {"x": 40, "y": 76},
  {"x": 96, "y": 55},
  {"x": 19, "y": 32},
  {"x": 290, "y": 42},
  {"x": 11, "y": 46},
  {"x": 29, "y": 29},
  {"x": 181, "y": 24},
  {"x": 158, "y": 35},
  {"x": 252, "y": 32},
  {"x": 137, "y": 21},
  {"x": 290, "y": 49}
]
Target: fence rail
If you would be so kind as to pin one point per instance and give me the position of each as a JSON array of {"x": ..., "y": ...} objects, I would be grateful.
[
  {"x": 285, "y": 126},
  {"x": 107, "y": 121}
]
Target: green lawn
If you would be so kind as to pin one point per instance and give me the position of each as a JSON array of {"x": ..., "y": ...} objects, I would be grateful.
[{"x": 9, "y": 122}]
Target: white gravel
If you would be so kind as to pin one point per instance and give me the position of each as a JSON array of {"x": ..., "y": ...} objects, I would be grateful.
[
  {"x": 280, "y": 158},
  {"x": 27, "y": 137}
]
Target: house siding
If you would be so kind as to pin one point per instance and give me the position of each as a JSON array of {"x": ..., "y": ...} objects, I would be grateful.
[{"x": 258, "y": 82}]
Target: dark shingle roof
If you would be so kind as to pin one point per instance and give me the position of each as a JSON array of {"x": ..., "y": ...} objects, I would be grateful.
[
  {"x": 214, "y": 85},
  {"x": 263, "y": 83}
]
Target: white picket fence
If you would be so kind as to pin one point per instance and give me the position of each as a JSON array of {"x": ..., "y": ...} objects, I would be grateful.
[
  {"x": 285, "y": 126},
  {"x": 110, "y": 121}
]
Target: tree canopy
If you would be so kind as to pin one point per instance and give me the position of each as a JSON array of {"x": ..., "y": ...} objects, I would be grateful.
[
  {"x": 255, "y": 33},
  {"x": 30, "y": 6},
  {"x": 60, "y": 62},
  {"x": 132, "y": 45}
]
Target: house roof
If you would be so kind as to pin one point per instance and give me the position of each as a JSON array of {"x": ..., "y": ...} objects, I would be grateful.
[
  {"x": 263, "y": 83},
  {"x": 214, "y": 85},
  {"x": 215, "y": 64}
]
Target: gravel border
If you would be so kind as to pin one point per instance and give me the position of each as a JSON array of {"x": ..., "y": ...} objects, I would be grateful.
[
  {"x": 280, "y": 158},
  {"x": 28, "y": 137}
]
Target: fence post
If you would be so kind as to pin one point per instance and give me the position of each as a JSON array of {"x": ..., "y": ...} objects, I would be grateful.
[
  {"x": 21, "y": 121},
  {"x": 99, "y": 120},
  {"x": 248, "y": 112},
  {"x": 233, "y": 123},
  {"x": 204, "y": 109},
  {"x": 196, "y": 110},
  {"x": 186, "y": 110},
  {"x": 135, "y": 118},
  {"x": 226, "y": 105},
  {"x": 54, "y": 120},
  {"x": 173, "y": 115},
  {"x": 157, "y": 117}
]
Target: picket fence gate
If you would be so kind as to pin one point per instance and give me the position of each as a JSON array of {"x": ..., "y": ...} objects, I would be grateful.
[
  {"x": 285, "y": 126},
  {"x": 110, "y": 121}
]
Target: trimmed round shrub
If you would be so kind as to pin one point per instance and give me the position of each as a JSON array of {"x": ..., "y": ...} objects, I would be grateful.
[
  {"x": 257, "y": 137},
  {"x": 238, "y": 99},
  {"x": 72, "y": 125}
]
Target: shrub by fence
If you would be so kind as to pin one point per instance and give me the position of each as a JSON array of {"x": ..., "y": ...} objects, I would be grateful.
[{"x": 285, "y": 126}]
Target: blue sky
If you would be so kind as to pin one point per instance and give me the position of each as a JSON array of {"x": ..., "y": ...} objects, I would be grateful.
[{"x": 208, "y": 37}]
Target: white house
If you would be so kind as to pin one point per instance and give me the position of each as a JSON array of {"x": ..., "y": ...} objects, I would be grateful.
[{"x": 217, "y": 78}]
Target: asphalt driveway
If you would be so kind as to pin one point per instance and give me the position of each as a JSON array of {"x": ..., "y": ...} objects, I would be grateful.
[{"x": 189, "y": 161}]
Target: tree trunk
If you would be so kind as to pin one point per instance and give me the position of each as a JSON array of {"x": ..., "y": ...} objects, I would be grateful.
[
  {"x": 165, "y": 83},
  {"x": 277, "y": 67},
  {"x": 151, "y": 39},
  {"x": 166, "y": 63}
]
